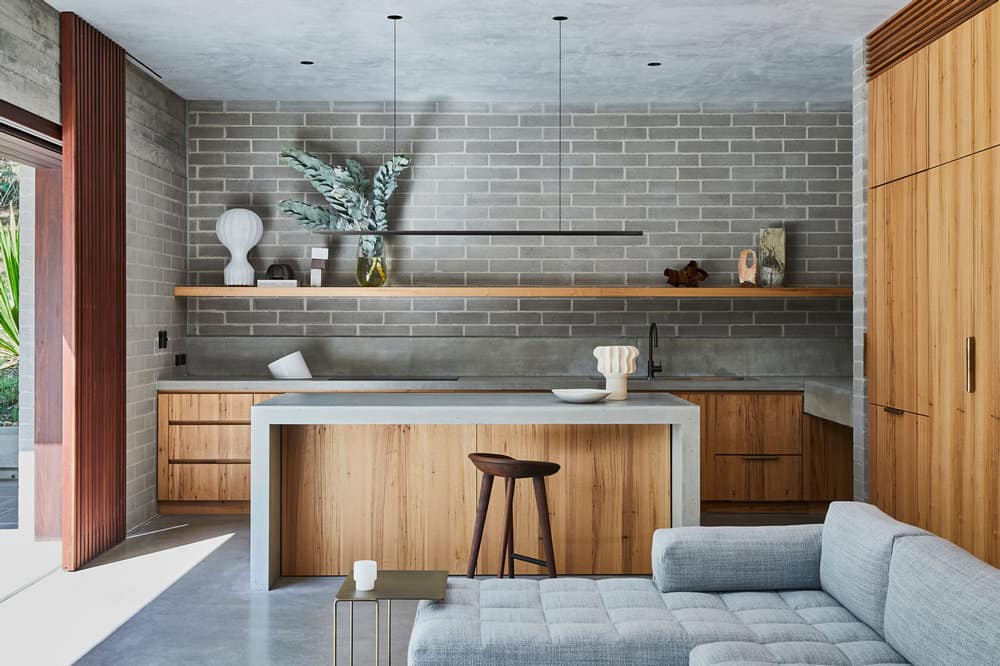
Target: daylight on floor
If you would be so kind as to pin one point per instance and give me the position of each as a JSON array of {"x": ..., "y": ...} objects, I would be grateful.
[{"x": 465, "y": 333}]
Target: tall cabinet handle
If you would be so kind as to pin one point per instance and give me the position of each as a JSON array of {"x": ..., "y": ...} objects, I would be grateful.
[{"x": 970, "y": 365}]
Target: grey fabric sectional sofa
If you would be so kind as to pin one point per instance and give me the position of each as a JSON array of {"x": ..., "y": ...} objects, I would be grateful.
[{"x": 862, "y": 589}]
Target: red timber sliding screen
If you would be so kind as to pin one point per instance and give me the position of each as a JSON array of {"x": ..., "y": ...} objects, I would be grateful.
[
  {"x": 93, "y": 291},
  {"x": 36, "y": 142}
]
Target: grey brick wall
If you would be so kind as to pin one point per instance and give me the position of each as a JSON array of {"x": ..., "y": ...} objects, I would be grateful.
[
  {"x": 860, "y": 305},
  {"x": 156, "y": 247},
  {"x": 699, "y": 179},
  {"x": 29, "y": 68}
]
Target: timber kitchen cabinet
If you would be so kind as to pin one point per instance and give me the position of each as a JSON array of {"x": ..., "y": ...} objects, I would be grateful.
[
  {"x": 964, "y": 89},
  {"x": 203, "y": 452},
  {"x": 898, "y": 299},
  {"x": 938, "y": 466},
  {"x": 932, "y": 349},
  {"x": 897, "y": 120},
  {"x": 759, "y": 447}
]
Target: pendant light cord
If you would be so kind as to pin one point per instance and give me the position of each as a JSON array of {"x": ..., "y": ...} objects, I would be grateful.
[
  {"x": 394, "y": 89},
  {"x": 560, "y": 127}
]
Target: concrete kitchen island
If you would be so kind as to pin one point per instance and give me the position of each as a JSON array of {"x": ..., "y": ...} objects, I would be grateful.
[{"x": 337, "y": 477}]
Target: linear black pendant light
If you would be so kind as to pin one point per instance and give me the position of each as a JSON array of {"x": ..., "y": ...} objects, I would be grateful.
[{"x": 395, "y": 18}]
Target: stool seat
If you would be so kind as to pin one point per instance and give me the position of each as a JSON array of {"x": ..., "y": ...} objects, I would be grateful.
[
  {"x": 509, "y": 469},
  {"x": 506, "y": 467}
]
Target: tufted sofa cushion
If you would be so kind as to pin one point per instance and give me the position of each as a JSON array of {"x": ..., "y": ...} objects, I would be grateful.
[{"x": 627, "y": 622}]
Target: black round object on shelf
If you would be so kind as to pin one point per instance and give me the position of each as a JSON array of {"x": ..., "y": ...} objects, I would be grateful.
[{"x": 280, "y": 272}]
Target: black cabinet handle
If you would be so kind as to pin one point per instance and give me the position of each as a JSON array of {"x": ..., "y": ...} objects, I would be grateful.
[{"x": 893, "y": 410}]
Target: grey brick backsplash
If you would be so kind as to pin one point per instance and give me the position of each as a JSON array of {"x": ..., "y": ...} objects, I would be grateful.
[{"x": 699, "y": 179}]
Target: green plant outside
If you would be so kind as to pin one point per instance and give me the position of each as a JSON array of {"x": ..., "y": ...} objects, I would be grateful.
[
  {"x": 10, "y": 261},
  {"x": 8, "y": 395}
]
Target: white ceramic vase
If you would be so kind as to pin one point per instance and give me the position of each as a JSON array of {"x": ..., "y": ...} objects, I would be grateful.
[
  {"x": 616, "y": 363},
  {"x": 239, "y": 230}
]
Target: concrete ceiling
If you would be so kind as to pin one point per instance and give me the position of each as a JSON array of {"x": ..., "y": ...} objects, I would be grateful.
[{"x": 496, "y": 50}]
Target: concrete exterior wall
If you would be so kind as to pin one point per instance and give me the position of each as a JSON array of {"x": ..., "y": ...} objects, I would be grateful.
[
  {"x": 701, "y": 179},
  {"x": 156, "y": 246},
  {"x": 860, "y": 236},
  {"x": 29, "y": 57}
]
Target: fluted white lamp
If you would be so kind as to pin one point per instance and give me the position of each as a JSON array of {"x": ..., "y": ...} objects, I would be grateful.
[
  {"x": 239, "y": 230},
  {"x": 616, "y": 363}
]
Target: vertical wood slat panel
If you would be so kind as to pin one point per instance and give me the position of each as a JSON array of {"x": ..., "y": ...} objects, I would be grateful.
[
  {"x": 916, "y": 25},
  {"x": 93, "y": 110},
  {"x": 48, "y": 353}
]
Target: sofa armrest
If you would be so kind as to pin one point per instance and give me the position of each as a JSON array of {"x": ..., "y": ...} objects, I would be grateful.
[{"x": 730, "y": 559}]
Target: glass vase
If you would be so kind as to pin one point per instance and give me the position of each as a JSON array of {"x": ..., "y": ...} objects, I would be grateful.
[{"x": 373, "y": 262}]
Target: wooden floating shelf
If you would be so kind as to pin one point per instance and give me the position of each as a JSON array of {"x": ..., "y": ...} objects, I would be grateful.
[{"x": 512, "y": 292}]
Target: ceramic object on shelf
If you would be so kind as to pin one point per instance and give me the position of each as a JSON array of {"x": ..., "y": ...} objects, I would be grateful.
[
  {"x": 772, "y": 257},
  {"x": 748, "y": 268},
  {"x": 239, "y": 230},
  {"x": 581, "y": 395},
  {"x": 616, "y": 363},
  {"x": 320, "y": 258},
  {"x": 290, "y": 366}
]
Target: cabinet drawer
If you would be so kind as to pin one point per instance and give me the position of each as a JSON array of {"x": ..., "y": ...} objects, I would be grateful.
[
  {"x": 757, "y": 478},
  {"x": 201, "y": 482},
  {"x": 209, "y": 407},
  {"x": 750, "y": 423},
  {"x": 204, "y": 442}
]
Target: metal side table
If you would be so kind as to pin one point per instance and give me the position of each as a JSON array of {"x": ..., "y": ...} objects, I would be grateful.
[{"x": 389, "y": 586}]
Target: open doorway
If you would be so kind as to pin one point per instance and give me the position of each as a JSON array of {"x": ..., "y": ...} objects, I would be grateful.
[
  {"x": 30, "y": 545},
  {"x": 10, "y": 340}
]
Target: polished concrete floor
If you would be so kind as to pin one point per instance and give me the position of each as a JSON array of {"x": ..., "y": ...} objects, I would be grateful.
[
  {"x": 208, "y": 616},
  {"x": 204, "y": 614}
]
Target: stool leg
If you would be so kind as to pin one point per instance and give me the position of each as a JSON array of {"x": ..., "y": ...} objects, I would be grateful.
[
  {"x": 510, "y": 532},
  {"x": 508, "y": 526},
  {"x": 542, "y": 501},
  {"x": 477, "y": 536}
]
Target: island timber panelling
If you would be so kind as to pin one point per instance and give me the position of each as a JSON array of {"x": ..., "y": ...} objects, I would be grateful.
[{"x": 345, "y": 491}]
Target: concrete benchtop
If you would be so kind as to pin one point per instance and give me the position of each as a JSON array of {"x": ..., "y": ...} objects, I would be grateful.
[
  {"x": 484, "y": 383},
  {"x": 268, "y": 417},
  {"x": 469, "y": 408},
  {"x": 829, "y": 399}
]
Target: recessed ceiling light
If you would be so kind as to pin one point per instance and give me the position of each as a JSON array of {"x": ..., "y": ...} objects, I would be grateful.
[
  {"x": 306, "y": 62},
  {"x": 653, "y": 64}
]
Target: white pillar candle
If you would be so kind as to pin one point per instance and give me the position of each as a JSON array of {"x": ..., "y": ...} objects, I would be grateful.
[{"x": 365, "y": 573}]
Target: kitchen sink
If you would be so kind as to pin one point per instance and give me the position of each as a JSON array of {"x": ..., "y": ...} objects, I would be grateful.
[
  {"x": 690, "y": 378},
  {"x": 385, "y": 378}
]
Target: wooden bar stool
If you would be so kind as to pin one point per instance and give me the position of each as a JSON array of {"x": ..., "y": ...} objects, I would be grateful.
[{"x": 510, "y": 469}]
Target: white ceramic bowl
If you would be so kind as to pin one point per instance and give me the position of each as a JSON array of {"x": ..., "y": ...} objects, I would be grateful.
[
  {"x": 581, "y": 395},
  {"x": 292, "y": 366}
]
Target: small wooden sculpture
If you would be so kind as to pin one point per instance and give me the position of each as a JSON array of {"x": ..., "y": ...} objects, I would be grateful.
[
  {"x": 689, "y": 276},
  {"x": 748, "y": 268}
]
